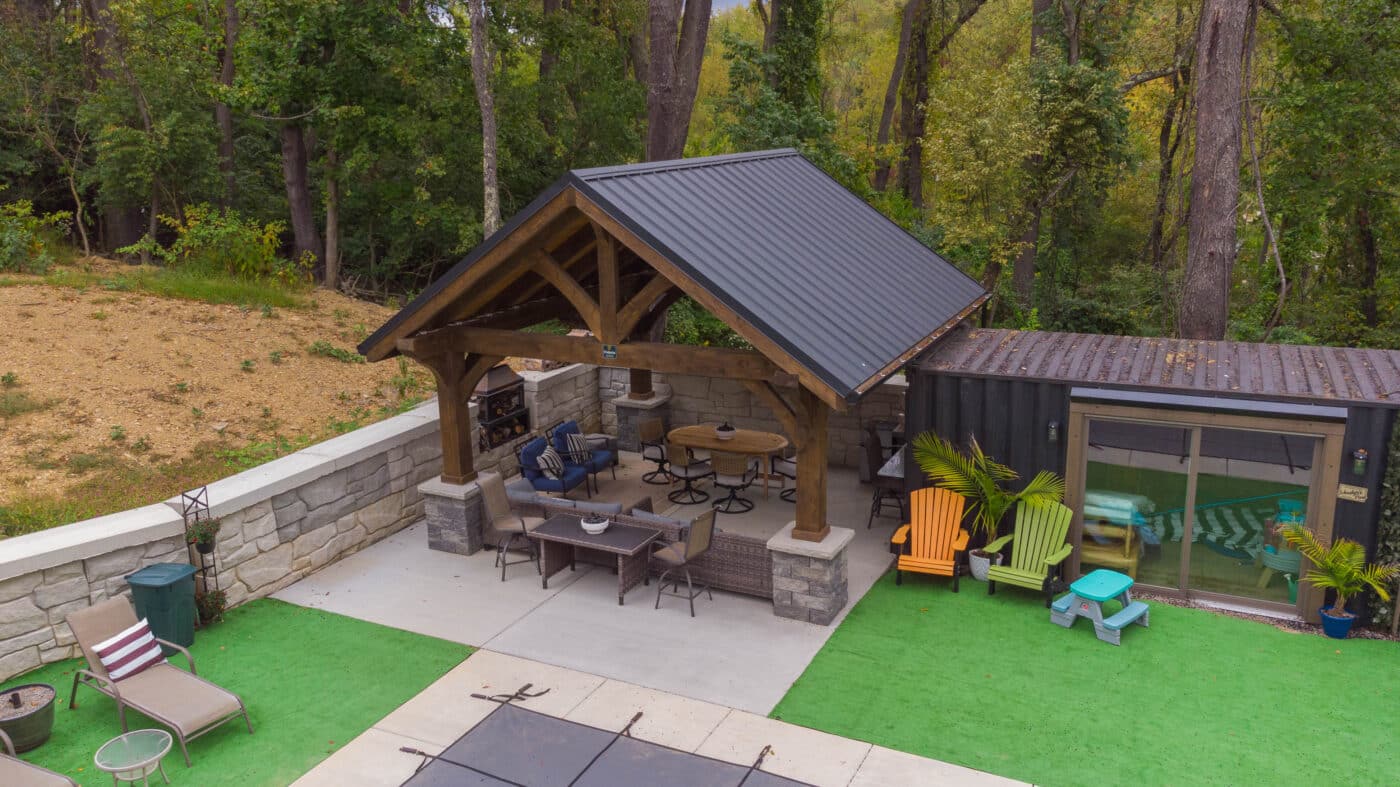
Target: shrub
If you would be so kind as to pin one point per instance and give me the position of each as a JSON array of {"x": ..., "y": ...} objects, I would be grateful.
[
  {"x": 26, "y": 244},
  {"x": 210, "y": 241}
]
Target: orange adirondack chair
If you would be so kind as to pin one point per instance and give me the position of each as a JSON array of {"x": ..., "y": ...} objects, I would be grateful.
[{"x": 934, "y": 539}]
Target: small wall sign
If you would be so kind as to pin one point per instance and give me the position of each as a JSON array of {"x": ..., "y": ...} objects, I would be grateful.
[
  {"x": 1352, "y": 493},
  {"x": 610, "y": 352}
]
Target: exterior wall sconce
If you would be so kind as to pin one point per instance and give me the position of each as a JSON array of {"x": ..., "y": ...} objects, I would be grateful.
[
  {"x": 1052, "y": 432},
  {"x": 1358, "y": 461}
]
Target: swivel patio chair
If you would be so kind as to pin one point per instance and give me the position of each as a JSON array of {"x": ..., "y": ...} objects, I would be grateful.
[
  {"x": 734, "y": 473},
  {"x": 785, "y": 467},
  {"x": 509, "y": 529},
  {"x": 569, "y": 477},
  {"x": 583, "y": 450},
  {"x": 887, "y": 490},
  {"x": 1039, "y": 551},
  {"x": 15, "y": 771},
  {"x": 651, "y": 434},
  {"x": 934, "y": 540},
  {"x": 689, "y": 472},
  {"x": 679, "y": 555},
  {"x": 186, "y": 703}
]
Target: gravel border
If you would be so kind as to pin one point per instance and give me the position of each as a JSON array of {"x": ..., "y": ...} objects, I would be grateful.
[{"x": 1293, "y": 625}]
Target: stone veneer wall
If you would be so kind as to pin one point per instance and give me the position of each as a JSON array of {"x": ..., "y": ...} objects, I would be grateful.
[
  {"x": 697, "y": 400},
  {"x": 281, "y": 521}
]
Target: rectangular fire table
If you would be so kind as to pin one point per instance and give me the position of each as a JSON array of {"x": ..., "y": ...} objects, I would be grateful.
[{"x": 561, "y": 535}]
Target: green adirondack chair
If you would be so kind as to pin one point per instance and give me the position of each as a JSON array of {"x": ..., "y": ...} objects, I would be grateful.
[{"x": 1038, "y": 556}]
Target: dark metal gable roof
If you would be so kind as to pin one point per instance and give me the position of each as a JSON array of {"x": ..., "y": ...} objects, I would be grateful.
[
  {"x": 835, "y": 283},
  {"x": 846, "y": 292},
  {"x": 1279, "y": 372}
]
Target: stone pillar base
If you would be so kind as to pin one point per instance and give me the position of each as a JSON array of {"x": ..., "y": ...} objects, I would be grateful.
[
  {"x": 454, "y": 514},
  {"x": 809, "y": 577},
  {"x": 630, "y": 411}
]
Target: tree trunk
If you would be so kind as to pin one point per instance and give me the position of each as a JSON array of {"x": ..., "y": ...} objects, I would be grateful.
[
  {"x": 901, "y": 55},
  {"x": 1169, "y": 138},
  {"x": 332, "y": 279},
  {"x": 1023, "y": 269},
  {"x": 1215, "y": 173},
  {"x": 549, "y": 58},
  {"x": 913, "y": 96},
  {"x": 677, "y": 44},
  {"x": 294, "y": 176},
  {"x": 223, "y": 115},
  {"x": 1369, "y": 308},
  {"x": 482, "y": 67}
]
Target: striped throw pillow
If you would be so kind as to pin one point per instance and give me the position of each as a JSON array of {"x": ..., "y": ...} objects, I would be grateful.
[
  {"x": 551, "y": 464},
  {"x": 578, "y": 448},
  {"x": 129, "y": 652}
]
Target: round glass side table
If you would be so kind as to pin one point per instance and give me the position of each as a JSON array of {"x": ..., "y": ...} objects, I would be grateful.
[{"x": 134, "y": 755}]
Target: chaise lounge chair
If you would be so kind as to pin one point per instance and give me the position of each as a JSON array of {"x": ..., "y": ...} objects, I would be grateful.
[
  {"x": 186, "y": 703},
  {"x": 934, "y": 539},
  {"x": 15, "y": 771}
]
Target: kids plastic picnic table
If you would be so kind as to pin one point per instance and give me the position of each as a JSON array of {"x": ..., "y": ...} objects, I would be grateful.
[{"x": 1085, "y": 599}]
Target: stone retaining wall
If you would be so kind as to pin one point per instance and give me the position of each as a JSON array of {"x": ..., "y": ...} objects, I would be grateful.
[{"x": 280, "y": 522}]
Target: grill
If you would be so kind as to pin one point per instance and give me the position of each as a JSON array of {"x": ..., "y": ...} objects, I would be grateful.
[{"x": 501, "y": 411}]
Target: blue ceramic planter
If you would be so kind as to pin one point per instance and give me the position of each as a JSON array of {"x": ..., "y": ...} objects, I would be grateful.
[{"x": 1335, "y": 627}]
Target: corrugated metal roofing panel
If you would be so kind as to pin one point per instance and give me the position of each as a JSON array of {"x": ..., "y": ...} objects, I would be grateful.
[
  {"x": 811, "y": 265},
  {"x": 1266, "y": 371}
]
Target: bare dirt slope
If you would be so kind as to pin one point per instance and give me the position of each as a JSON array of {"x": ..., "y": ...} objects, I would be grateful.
[{"x": 147, "y": 378}]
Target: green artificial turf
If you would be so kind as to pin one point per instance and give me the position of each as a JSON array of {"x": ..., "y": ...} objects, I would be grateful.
[
  {"x": 1197, "y": 698},
  {"x": 312, "y": 681}
]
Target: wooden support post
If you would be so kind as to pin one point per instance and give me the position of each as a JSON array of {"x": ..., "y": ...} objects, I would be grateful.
[
  {"x": 608, "y": 297},
  {"x": 811, "y": 468},
  {"x": 639, "y": 384},
  {"x": 457, "y": 375}
]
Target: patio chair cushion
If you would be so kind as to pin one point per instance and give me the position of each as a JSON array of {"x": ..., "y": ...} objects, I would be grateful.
[
  {"x": 185, "y": 700},
  {"x": 129, "y": 651},
  {"x": 671, "y": 554},
  {"x": 643, "y": 515},
  {"x": 551, "y": 463},
  {"x": 598, "y": 508},
  {"x": 579, "y": 451}
]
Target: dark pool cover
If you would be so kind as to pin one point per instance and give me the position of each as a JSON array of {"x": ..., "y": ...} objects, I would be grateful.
[{"x": 517, "y": 746}]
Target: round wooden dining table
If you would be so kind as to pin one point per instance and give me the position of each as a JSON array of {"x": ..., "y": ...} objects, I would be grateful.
[{"x": 745, "y": 442}]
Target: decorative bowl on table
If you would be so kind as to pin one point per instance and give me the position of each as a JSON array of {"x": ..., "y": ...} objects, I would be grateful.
[
  {"x": 594, "y": 524},
  {"x": 725, "y": 432}
]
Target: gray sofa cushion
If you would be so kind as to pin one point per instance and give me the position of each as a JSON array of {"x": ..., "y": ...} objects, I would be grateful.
[
  {"x": 520, "y": 491},
  {"x": 643, "y": 515},
  {"x": 598, "y": 508}
]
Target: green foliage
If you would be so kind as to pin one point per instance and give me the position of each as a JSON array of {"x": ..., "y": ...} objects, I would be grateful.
[
  {"x": 208, "y": 241},
  {"x": 27, "y": 241},
  {"x": 117, "y": 433},
  {"x": 1340, "y": 567},
  {"x": 247, "y": 365},
  {"x": 202, "y": 531},
  {"x": 982, "y": 480},
  {"x": 16, "y": 403},
  {"x": 9, "y": 380},
  {"x": 688, "y": 323},
  {"x": 1388, "y": 531},
  {"x": 325, "y": 349}
]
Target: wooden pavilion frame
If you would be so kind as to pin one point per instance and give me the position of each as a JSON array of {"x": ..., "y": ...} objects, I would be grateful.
[{"x": 569, "y": 260}]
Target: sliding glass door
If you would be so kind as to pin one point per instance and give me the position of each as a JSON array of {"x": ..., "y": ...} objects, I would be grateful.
[{"x": 1193, "y": 502}]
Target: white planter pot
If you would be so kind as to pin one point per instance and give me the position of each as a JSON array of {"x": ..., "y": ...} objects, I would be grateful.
[{"x": 979, "y": 562}]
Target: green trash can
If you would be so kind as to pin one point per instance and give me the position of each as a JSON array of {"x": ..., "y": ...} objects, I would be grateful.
[{"x": 164, "y": 596}]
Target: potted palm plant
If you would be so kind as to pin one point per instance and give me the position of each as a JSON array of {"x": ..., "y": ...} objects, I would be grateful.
[
  {"x": 1340, "y": 567},
  {"x": 983, "y": 481}
]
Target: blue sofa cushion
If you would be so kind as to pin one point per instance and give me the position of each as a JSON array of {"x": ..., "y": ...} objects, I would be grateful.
[
  {"x": 599, "y": 458},
  {"x": 530, "y": 469}
]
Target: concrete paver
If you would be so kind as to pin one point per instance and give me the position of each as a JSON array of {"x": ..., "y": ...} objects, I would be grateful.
[
  {"x": 667, "y": 719},
  {"x": 798, "y": 753}
]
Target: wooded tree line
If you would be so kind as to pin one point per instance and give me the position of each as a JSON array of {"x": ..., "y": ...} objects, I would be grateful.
[{"x": 1202, "y": 168}]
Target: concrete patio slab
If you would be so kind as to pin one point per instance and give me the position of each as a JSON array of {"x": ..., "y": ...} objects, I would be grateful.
[
  {"x": 667, "y": 719},
  {"x": 371, "y": 760},
  {"x": 399, "y": 582},
  {"x": 883, "y": 767},
  {"x": 797, "y": 752}
]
